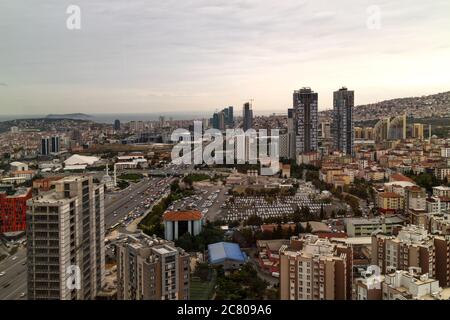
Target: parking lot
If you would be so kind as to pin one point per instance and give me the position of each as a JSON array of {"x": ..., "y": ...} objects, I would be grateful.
[
  {"x": 240, "y": 208},
  {"x": 208, "y": 200}
]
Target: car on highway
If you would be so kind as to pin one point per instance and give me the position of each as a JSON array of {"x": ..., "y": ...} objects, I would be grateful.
[
  {"x": 14, "y": 258},
  {"x": 22, "y": 295},
  {"x": 2, "y": 273}
]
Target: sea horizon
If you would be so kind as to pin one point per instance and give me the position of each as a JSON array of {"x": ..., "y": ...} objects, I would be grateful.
[{"x": 126, "y": 117}]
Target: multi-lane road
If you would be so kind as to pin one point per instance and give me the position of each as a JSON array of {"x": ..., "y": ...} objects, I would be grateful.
[
  {"x": 118, "y": 205},
  {"x": 13, "y": 283}
]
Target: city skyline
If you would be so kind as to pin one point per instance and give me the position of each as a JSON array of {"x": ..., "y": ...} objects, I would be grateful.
[{"x": 204, "y": 55}]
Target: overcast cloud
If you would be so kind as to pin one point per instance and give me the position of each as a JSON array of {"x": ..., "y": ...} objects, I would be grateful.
[{"x": 151, "y": 56}]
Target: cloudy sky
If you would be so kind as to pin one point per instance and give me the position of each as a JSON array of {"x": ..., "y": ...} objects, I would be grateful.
[{"x": 200, "y": 55}]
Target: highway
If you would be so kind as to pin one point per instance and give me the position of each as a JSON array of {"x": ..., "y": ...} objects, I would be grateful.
[
  {"x": 117, "y": 206},
  {"x": 13, "y": 283}
]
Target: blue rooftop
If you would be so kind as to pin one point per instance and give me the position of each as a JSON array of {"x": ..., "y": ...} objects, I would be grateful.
[{"x": 221, "y": 251}]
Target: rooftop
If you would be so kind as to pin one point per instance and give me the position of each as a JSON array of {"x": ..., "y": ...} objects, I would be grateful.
[
  {"x": 221, "y": 251},
  {"x": 182, "y": 215}
]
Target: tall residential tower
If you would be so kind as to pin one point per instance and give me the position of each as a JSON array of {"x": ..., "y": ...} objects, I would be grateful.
[
  {"x": 305, "y": 103},
  {"x": 342, "y": 127},
  {"x": 65, "y": 239}
]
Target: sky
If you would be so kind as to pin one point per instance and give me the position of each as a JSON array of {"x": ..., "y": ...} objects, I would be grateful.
[{"x": 134, "y": 56}]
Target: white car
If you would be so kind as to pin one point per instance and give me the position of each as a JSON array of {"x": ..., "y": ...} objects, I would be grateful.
[
  {"x": 14, "y": 258},
  {"x": 2, "y": 274}
]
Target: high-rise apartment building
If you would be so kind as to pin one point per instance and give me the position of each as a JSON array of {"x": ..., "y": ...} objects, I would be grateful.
[
  {"x": 117, "y": 125},
  {"x": 325, "y": 130},
  {"x": 149, "y": 268},
  {"x": 65, "y": 239},
  {"x": 418, "y": 130},
  {"x": 342, "y": 126},
  {"x": 291, "y": 133},
  {"x": 313, "y": 268},
  {"x": 305, "y": 103},
  {"x": 413, "y": 247},
  {"x": 247, "y": 116}
]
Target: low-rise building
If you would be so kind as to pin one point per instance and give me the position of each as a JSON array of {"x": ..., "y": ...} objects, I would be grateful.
[
  {"x": 389, "y": 202},
  {"x": 178, "y": 223},
  {"x": 407, "y": 285},
  {"x": 226, "y": 254},
  {"x": 365, "y": 227},
  {"x": 13, "y": 210}
]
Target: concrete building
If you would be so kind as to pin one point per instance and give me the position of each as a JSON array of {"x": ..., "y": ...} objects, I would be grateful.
[
  {"x": 55, "y": 146},
  {"x": 325, "y": 130},
  {"x": 389, "y": 202},
  {"x": 116, "y": 125},
  {"x": 441, "y": 191},
  {"x": 247, "y": 116},
  {"x": 418, "y": 131},
  {"x": 445, "y": 152},
  {"x": 177, "y": 223},
  {"x": 45, "y": 146},
  {"x": 365, "y": 227},
  {"x": 291, "y": 133},
  {"x": 13, "y": 210},
  {"x": 369, "y": 288},
  {"x": 284, "y": 146},
  {"x": 305, "y": 104},
  {"x": 149, "y": 268},
  {"x": 342, "y": 127},
  {"x": 18, "y": 166},
  {"x": 413, "y": 247},
  {"x": 408, "y": 285},
  {"x": 313, "y": 268},
  {"x": 65, "y": 239}
]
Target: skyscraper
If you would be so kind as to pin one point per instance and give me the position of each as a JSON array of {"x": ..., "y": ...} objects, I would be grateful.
[
  {"x": 117, "y": 125},
  {"x": 215, "y": 121},
  {"x": 306, "y": 120},
  {"x": 65, "y": 239},
  {"x": 45, "y": 146},
  {"x": 222, "y": 118},
  {"x": 247, "y": 116},
  {"x": 55, "y": 144},
  {"x": 342, "y": 126},
  {"x": 149, "y": 268},
  {"x": 291, "y": 133},
  {"x": 230, "y": 121}
]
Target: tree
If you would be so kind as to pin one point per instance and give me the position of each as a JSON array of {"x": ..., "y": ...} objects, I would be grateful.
[
  {"x": 185, "y": 241},
  {"x": 254, "y": 220},
  {"x": 278, "y": 232},
  {"x": 322, "y": 213},
  {"x": 203, "y": 271},
  {"x": 308, "y": 228}
]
